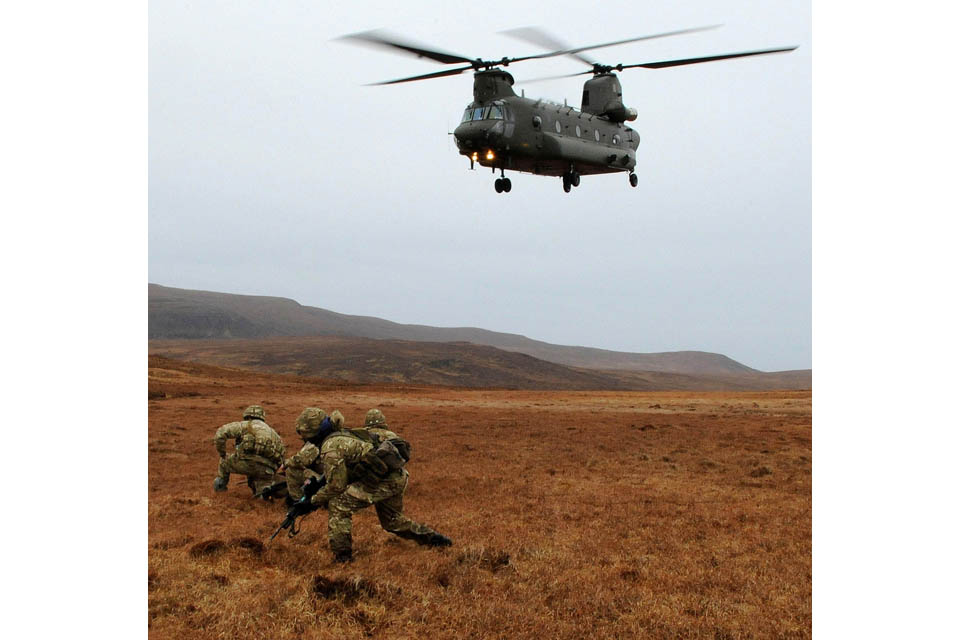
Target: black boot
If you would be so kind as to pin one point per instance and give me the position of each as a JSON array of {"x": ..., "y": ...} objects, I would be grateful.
[
  {"x": 438, "y": 540},
  {"x": 343, "y": 556}
]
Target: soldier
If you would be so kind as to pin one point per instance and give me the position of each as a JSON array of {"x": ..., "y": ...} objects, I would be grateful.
[
  {"x": 304, "y": 464},
  {"x": 361, "y": 469},
  {"x": 258, "y": 451}
]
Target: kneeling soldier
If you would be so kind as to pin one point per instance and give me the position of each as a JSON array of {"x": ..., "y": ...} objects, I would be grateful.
[{"x": 258, "y": 451}]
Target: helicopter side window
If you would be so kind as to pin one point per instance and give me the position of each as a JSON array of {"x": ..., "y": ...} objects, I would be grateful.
[
  {"x": 496, "y": 113},
  {"x": 467, "y": 115}
]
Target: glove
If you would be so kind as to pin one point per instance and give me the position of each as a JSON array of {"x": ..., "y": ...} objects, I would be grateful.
[
  {"x": 219, "y": 484},
  {"x": 301, "y": 508}
]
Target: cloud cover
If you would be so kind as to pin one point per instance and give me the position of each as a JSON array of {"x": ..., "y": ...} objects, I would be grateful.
[{"x": 274, "y": 171}]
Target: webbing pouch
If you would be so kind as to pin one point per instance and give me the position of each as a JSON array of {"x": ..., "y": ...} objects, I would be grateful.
[{"x": 375, "y": 464}]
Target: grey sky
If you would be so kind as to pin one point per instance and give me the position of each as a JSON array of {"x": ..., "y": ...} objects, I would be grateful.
[{"x": 273, "y": 171}]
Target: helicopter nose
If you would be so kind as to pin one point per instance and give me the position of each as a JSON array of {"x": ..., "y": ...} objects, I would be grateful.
[{"x": 472, "y": 135}]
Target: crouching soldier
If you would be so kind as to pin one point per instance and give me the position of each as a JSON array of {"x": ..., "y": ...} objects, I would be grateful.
[
  {"x": 363, "y": 469},
  {"x": 258, "y": 451}
]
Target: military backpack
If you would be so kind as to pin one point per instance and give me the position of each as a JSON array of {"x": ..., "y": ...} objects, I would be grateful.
[{"x": 386, "y": 454}]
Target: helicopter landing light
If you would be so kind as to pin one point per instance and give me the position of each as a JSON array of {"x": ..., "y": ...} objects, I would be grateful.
[{"x": 489, "y": 155}]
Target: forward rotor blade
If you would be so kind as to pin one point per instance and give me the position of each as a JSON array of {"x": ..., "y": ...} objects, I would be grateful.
[
  {"x": 726, "y": 56},
  {"x": 539, "y": 37},
  {"x": 567, "y": 52},
  {"x": 426, "y": 76},
  {"x": 381, "y": 40}
]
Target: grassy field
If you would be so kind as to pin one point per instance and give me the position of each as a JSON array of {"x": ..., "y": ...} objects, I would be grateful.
[{"x": 574, "y": 515}]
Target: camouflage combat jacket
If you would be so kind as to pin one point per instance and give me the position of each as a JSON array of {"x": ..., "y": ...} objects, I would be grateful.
[{"x": 251, "y": 438}]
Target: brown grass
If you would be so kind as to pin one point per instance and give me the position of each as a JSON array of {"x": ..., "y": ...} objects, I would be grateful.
[{"x": 574, "y": 515}]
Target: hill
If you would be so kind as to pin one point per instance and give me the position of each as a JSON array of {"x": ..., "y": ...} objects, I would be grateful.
[
  {"x": 187, "y": 314},
  {"x": 451, "y": 364}
]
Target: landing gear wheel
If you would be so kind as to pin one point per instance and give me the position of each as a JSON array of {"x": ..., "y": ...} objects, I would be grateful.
[
  {"x": 566, "y": 183},
  {"x": 575, "y": 179},
  {"x": 506, "y": 185},
  {"x": 633, "y": 180},
  {"x": 498, "y": 185}
]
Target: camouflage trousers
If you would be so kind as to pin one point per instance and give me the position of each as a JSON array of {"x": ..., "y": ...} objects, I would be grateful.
[
  {"x": 296, "y": 476},
  {"x": 259, "y": 474},
  {"x": 387, "y": 498}
]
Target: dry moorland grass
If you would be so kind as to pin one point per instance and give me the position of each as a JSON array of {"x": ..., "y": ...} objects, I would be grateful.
[{"x": 574, "y": 515}]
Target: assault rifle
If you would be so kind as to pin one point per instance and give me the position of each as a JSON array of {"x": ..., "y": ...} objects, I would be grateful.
[
  {"x": 271, "y": 492},
  {"x": 300, "y": 508}
]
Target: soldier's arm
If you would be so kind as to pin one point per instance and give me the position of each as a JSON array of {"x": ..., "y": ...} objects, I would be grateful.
[
  {"x": 231, "y": 430},
  {"x": 304, "y": 458}
]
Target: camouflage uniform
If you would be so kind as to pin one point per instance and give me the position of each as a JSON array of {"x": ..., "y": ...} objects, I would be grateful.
[
  {"x": 258, "y": 451},
  {"x": 304, "y": 464},
  {"x": 356, "y": 479}
]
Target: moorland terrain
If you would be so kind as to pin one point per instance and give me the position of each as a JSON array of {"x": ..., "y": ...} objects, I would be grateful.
[{"x": 575, "y": 514}]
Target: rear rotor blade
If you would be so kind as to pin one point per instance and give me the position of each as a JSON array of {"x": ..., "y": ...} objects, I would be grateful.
[
  {"x": 382, "y": 40},
  {"x": 685, "y": 61},
  {"x": 566, "y": 75},
  {"x": 426, "y": 76}
]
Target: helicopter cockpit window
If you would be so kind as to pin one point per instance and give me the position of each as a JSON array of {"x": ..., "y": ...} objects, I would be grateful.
[{"x": 494, "y": 112}]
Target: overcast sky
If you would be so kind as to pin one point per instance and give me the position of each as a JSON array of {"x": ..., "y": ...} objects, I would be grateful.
[{"x": 274, "y": 171}]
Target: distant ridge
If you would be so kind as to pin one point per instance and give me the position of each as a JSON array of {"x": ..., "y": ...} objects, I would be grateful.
[
  {"x": 450, "y": 364},
  {"x": 184, "y": 313}
]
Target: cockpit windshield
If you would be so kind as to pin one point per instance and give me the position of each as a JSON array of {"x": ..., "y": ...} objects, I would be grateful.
[{"x": 492, "y": 112}]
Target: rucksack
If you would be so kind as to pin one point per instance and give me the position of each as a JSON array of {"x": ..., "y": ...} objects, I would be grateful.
[{"x": 387, "y": 454}]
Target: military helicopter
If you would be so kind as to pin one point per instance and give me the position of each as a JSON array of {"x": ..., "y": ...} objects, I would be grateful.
[{"x": 507, "y": 132}]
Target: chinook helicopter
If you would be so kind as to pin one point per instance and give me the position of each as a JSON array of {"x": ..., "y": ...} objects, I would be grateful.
[{"x": 507, "y": 132}]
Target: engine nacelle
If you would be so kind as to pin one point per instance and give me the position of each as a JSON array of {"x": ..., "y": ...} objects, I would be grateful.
[{"x": 603, "y": 96}]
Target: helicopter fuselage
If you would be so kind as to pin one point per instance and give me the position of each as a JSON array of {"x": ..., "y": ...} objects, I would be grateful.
[{"x": 505, "y": 131}]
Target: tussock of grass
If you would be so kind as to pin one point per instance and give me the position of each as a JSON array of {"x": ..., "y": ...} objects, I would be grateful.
[{"x": 207, "y": 547}]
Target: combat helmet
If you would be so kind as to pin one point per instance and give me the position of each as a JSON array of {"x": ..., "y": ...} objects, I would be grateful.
[
  {"x": 375, "y": 418},
  {"x": 309, "y": 421},
  {"x": 254, "y": 412}
]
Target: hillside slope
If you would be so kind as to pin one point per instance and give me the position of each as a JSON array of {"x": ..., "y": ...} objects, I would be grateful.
[
  {"x": 183, "y": 313},
  {"x": 453, "y": 364}
]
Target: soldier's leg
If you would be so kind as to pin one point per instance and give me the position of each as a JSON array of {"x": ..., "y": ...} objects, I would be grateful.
[
  {"x": 340, "y": 520},
  {"x": 228, "y": 465},
  {"x": 389, "y": 504},
  {"x": 259, "y": 475}
]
